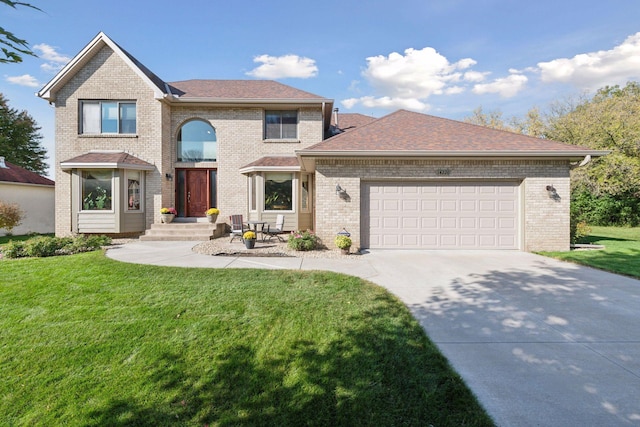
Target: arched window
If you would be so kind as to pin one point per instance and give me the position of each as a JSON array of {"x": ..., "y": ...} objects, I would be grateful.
[{"x": 197, "y": 142}]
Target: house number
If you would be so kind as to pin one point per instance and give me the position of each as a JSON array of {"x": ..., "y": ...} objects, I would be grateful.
[{"x": 443, "y": 172}]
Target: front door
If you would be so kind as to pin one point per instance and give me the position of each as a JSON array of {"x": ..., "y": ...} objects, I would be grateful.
[{"x": 196, "y": 192}]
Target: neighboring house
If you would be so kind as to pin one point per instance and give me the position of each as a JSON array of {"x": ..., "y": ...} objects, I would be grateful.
[
  {"x": 33, "y": 193},
  {"x": 129, "y": 143}
]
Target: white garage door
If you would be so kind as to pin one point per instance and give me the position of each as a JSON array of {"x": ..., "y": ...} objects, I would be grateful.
[{"x": 440, "y": 215}]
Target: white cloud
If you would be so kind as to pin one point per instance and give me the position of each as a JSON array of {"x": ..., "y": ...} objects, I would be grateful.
[
  {"x": 386, "y": 102},
  {"x": 278, "y": 67},
  {"x": 55, "y": 60},
  {"x": 24, "y": 80},
  {"x": 49, "y": 53},
  {"x": 596, "y": 69},
  {"x": 417, "y": 74},
  {"x": 506, "y": 87},
  {"x": 474, "y": 76}
]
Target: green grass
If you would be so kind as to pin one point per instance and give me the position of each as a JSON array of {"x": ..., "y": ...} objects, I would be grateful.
[
  {"x": 88, "y": 341},
  {"x": 621, "y": 254}
]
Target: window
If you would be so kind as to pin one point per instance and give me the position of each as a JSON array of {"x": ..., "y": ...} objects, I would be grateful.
[
  {"x": 304, "y": 193},
  {"x": 96, "y": 190},
  {"x": 281, "y": 124},
  {"x": 108, "y": 117},
  {"x": 197, "y": 142},
  {"x": 133, "y": 191},
  {"x": 253, "y": 195},
  {"x": 278, "y": 191}
]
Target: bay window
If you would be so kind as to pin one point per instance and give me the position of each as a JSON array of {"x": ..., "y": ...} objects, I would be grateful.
[
  {"x": 278, "y": 191},
  {"x": 96, "y": 190}
]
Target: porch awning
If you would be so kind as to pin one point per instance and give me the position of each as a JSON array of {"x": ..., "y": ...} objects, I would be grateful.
[
  {"x": 106, "y": 160},
  {"x": 273, "y": 164}
]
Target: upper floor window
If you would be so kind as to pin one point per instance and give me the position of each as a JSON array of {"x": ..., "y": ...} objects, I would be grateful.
[
  {"x": 281, "y": 124},
  {"x": 197, "y": 142},
  {"x": 108, "y": 117}
]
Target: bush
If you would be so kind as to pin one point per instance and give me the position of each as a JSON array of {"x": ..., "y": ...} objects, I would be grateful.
[
  {"x": 605, "y": 210},
  {"x": 10, "y": 216},
  {"x": 46, "y": 246},
  {"x": 343, "y": 242},
  {"x": 303, "y": 240},
  {"x": 13, "y": 249}
]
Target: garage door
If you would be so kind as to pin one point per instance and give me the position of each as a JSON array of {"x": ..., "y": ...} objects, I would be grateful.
[{"x": 440, "y": 215}]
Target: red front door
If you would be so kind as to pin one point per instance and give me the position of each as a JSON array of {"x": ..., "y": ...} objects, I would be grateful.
[{"x": 196, "y": 192}]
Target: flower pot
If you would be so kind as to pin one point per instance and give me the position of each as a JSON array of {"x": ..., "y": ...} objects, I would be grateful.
[
  {"x": 249, "y": 243},
  {"x": 212, "y": 218},
  {"x": 345, "y": 251},
  {"x": 167, "y": 218}
]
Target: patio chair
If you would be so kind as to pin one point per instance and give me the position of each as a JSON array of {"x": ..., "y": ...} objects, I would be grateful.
[
  {"x": 275, "y": 231},
  {"x": 237, "y": 226}
]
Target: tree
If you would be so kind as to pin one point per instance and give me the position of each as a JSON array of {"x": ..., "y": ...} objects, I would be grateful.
[
  {"x": 533, "y": 124},
  {"x": 12, "y": 46},
  {"x": 610, "y": 120},
  {"x": 20, "y": 139},
  {"x": 10, "y": 216}
]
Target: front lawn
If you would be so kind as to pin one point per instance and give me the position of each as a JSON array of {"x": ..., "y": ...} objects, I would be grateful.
[
  {"x": 621, "y": 254},
  {"x": 88, "y": 341}
]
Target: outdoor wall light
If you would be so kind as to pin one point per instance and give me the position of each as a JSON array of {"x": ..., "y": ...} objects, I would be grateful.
[
  {"x": 552, "y": 192},
  {"x": 168, "y": 176},
  {"x": 340, "y": 191}
]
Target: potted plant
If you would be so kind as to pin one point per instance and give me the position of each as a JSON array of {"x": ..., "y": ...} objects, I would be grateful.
[
  {"x": 212, "y": 214},
  {"x": 344, "y": 243},
  {"x": 168, "y": 214},
  {"x": 249, "y": 238}
]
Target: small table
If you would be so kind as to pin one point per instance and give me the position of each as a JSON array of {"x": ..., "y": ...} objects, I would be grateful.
[{"x": 255, "y": 227}]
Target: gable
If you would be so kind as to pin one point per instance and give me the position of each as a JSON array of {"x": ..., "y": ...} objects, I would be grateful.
[{"x": 87, "y": 54}]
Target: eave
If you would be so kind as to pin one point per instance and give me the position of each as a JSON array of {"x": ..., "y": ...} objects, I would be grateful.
[{"x": 308, "y": 157}]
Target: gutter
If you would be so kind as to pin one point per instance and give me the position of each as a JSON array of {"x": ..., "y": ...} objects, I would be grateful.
[{"x": 546, "y": 154}]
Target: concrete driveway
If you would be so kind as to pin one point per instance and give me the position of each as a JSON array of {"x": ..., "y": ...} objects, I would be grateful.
[{"x": 540, "y": 342}]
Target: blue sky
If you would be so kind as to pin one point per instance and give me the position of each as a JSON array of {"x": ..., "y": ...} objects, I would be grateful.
[{"x": 441, "y": 57}]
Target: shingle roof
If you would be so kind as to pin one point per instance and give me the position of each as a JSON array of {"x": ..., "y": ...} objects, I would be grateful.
[
  {"x": 110, "y": 159},
  {"x": 350, "y": 121},
  {"x": 406, "y": 131},
  {"x": 239, "y": 89},
  {"x": 272, "y": 163},
  {"x": 14, "y": 173}
]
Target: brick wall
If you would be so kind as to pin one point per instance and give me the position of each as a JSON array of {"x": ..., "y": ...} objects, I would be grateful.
[
  {"x": 239, "y": 133},
  {"x": 107, "y": 77},
  {"x": 544, "y": 220}
]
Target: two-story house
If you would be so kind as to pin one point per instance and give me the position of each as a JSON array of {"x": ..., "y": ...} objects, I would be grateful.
[{"x": 129, "y": 143}]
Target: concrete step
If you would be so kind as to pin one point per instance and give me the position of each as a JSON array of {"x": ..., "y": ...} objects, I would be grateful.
[{"x": 187, "y": 231}]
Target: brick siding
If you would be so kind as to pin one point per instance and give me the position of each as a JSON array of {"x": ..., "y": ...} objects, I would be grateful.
[{"x": 544, "y": 220}]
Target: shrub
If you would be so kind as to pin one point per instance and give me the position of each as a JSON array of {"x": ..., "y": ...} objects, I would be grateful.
[
  {"x": 13, "y": 249},
  {"x": 10, "y": 216},
  {"x": 303, "y": 240},
  {"x": 343, "y": 242},
  {"x": 623, "y": 209},
  {"x": 46, "y": 246}
]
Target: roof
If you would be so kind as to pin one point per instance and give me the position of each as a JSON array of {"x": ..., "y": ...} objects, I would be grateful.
[
  {"x": 107, "y": 160},
  {"x": 101, "y": 40},
  {"x": 239, "y": 89},
  {"x": 17, "y": 174},
  {"x": 408, "y": 133},
  {"x": 349, "y": 121},
  {"x": 273, "y": 163}
]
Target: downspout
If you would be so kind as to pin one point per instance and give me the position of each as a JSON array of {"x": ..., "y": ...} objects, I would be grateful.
[{"x": 584, "y": 162}]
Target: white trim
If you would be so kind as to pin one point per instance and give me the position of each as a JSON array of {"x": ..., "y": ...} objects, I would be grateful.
[{"x": 48, "y": 92}]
